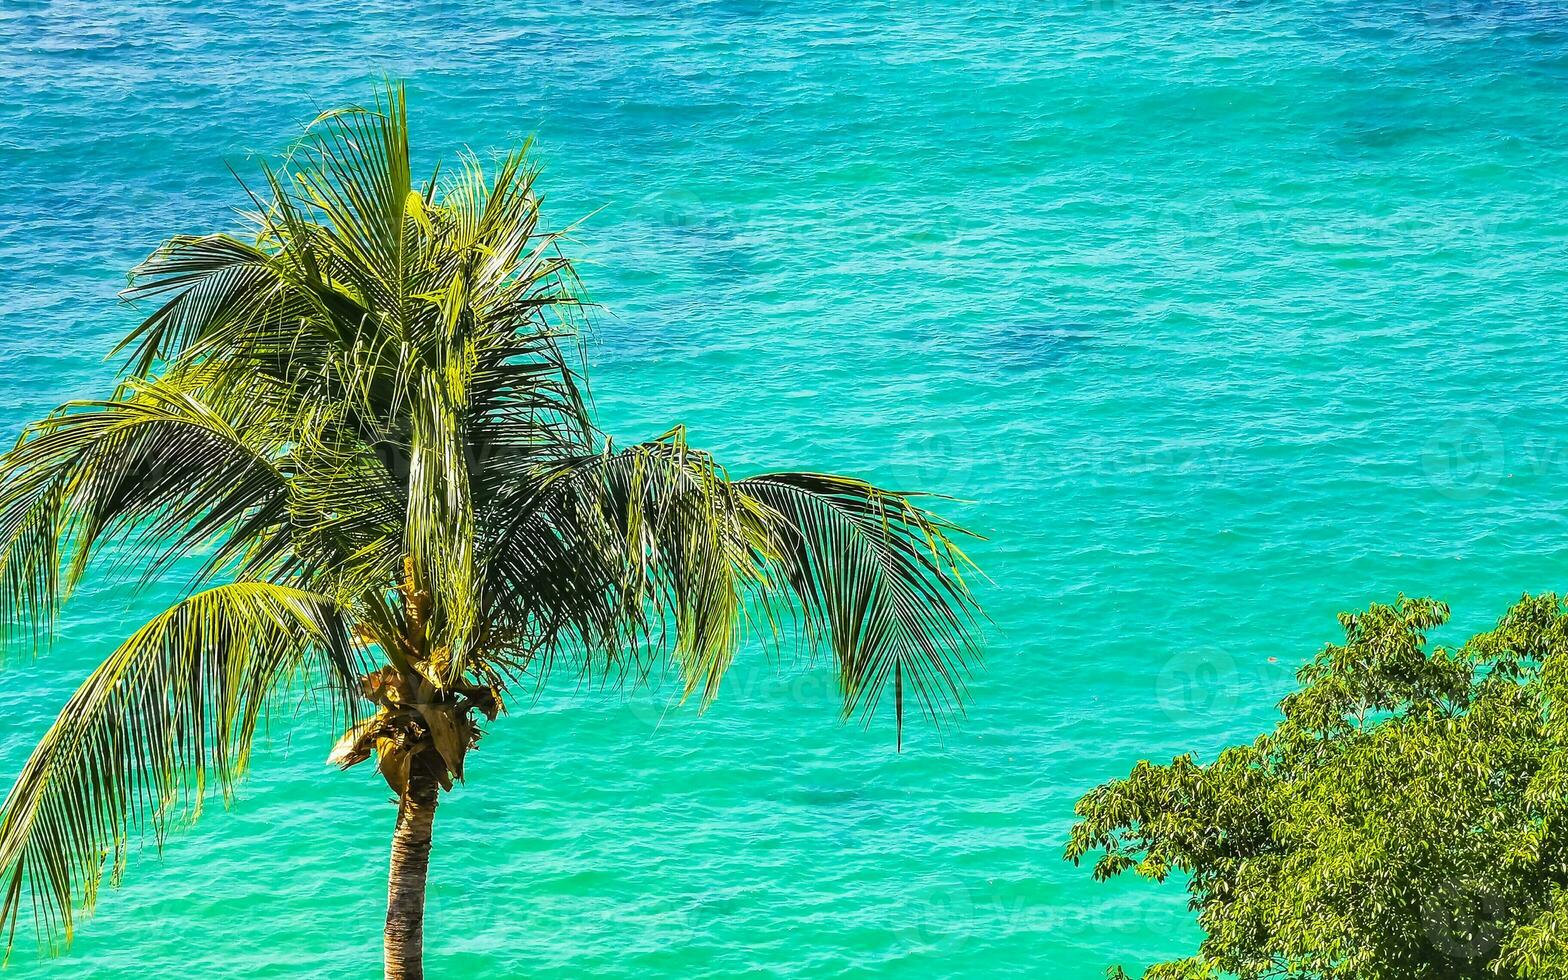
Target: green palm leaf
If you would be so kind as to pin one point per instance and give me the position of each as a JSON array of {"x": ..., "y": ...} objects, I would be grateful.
[
  {"x": 882, "y": 578},
  {"x": 161, "y": 465},
  {"x": 179, "y": 701},
  {"x": 653, "y": 550}
]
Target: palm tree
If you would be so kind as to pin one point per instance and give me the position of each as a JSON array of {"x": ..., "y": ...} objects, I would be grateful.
[{"x": 359, "y": 430}]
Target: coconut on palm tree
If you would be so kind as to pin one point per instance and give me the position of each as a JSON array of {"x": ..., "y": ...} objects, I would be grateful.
[{"x": 358, "y": 431}]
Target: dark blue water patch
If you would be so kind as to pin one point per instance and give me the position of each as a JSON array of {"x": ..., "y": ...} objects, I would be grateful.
[
  {"x": 1489, "y": 14},
  {"x": 1370, "y": 136},
  {"x": 709, "y": 252},
  {"x": 1394, "y": 32},
  {"x": 1388, "y": 123},
  {"x": 1028, "y": 344},
  {"x": 682, "y": 233},
  {"x": 826, "y": 798},
  {"x": 739, "y": 11}
]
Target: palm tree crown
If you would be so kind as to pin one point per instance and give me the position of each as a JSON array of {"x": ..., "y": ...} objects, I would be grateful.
[{"x": 362, "y": 425}]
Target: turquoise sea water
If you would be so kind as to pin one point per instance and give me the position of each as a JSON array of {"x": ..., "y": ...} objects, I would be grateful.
[{"x": 1220, "y": 316}]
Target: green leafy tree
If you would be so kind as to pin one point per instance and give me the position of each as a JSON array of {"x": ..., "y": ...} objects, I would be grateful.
[
  {"x": 1407, "y": 819},
  {"x": 361, "y": 425}
]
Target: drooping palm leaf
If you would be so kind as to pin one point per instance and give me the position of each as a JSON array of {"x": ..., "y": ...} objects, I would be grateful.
[
  {"x": 882, "y": 578},
  {"x": 177, "y": 703},
  {"x": 654, "y": 549},
  {"x": 161, "y": 465}
]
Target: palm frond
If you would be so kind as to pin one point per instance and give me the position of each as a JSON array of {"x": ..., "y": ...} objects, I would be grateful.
[
  {"x": 207, "y": 284},
  {"x": 883, "y": 578},
  {"x": 633, "y": 554},
  {"x": 162, "y": 466},
  {"x": 177, "y": 704},
  {"x": 440, "y": 528}
]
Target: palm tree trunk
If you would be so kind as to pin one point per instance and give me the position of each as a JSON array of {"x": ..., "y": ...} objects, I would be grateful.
[{"x": 404, "y": 939}]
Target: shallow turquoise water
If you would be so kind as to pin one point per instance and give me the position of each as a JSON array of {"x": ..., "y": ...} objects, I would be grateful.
[{"x": 1222, "y": 316}]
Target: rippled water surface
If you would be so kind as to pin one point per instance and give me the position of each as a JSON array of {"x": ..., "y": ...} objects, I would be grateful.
[{"x": 1219, "y": 317}]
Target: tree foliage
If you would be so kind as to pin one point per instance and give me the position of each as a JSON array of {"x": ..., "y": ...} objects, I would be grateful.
[
  {"x": 363, "y": 423},
  {"x": 1407, "y": 819}
]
